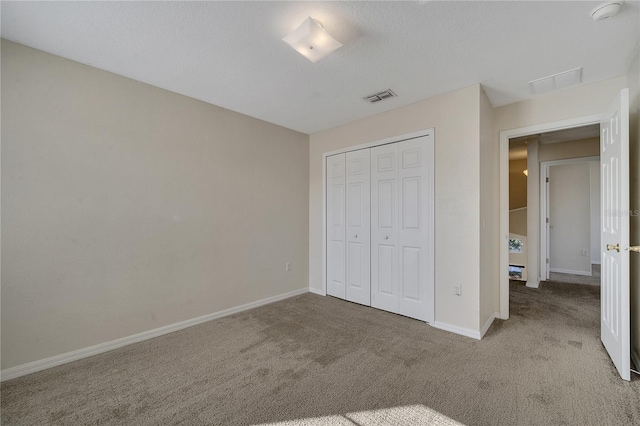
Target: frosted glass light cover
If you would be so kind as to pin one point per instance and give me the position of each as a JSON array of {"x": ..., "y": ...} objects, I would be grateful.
[{"x": 312, "y": 41}]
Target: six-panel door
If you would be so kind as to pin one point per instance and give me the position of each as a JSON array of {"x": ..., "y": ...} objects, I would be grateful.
[
  {"x": 358, "y": 213},
  {"x": 336, "y": 182},
  {"x": 415, "y": 288},
  {"x": 384, "y": 227},
  {"x": 614, "y": 234}
]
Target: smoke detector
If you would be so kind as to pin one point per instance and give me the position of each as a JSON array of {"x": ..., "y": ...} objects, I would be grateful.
[{"x": 606, "y": 10}]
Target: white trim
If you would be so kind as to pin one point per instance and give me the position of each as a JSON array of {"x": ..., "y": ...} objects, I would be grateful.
[
  {"x": 431, "y": 171},
  {"x": 635, "y": 359},
  {"x": 533, "y": 284},
  {"x": 570, "y": 271},
  {"x": 571, "y": 161},
  {"x": 32, "y": 367},
  {"x": 317, "y": 291},
  {"x": 517, "y": 210},
  {"x": 393, "y": 139},
  {"x": 544, "y": 214},
  {"x": 474, "y": 334},
  {"x": 505, "y": 135},
  {"x": 430, "y": 244},
  {"x": 324, "y": 225},
  {"x": 487, "y": 324}
]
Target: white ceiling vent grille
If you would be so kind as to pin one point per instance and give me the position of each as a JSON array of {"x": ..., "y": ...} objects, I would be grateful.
[
  {"x": 557, "y": 81},
  {"x": 377, "y": 97}
]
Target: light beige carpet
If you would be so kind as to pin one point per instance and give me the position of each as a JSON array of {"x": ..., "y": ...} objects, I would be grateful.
[
  {"x": 311, "y": 359},
  {"x": 594, "y": 279}
]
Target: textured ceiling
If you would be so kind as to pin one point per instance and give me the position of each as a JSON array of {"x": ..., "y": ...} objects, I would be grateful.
[{"x": 231, "y": 54}]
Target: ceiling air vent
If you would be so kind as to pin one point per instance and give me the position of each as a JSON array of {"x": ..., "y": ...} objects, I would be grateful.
[
  {"x": 557, "y": 81},
  {"x": 377, "y": 97}
]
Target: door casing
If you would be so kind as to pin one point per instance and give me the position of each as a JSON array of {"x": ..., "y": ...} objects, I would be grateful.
[{"x": 534, "y": 259}]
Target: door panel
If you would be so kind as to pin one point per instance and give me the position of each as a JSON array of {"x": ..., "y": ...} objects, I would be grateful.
[
  {"x": 358, "y": 230},
  {"x": 355, "y": 207},
  {"x": 386, "y": 256},
  {"x": 336, "y": 228},
  {"x": 414, "y": 234},
  {"x": 384, "y": 227},
  {"x": 354, "y": 267},
  {"x": 411, "y": 202},
  {"x": 615, "y": 320},
  {"x": 411, "y": 273}
]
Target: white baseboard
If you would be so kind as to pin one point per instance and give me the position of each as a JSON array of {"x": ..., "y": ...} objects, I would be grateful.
[
  {"x": 458, "y": 330},
  {"x": 316, "y": 291},
  {"x": 43, "y": 364},
  {"x": 570, "y": 271},
  {"x": 487, "y": 324},
  {"x": 636, "y": 359}
]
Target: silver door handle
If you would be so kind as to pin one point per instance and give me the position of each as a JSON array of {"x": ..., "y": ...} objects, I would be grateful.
[
  {"x": 355, "y": 236},
  {"x": 386, "y": 237}
]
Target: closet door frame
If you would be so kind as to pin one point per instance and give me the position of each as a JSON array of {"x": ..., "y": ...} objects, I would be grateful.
[{"x": 430, "y": 246}]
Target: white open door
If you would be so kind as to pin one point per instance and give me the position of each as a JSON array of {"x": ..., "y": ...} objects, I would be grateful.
[{"x": 614, "y": 317}]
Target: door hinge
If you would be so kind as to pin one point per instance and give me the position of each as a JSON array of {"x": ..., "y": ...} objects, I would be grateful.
[
  {"x": 547, "y": 220},
  {"x": 547, "y": 180},
  {"x": 547, "y": 260}
]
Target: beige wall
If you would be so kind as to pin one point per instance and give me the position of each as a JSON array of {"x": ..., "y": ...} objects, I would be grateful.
[
  {"x": 634, "y": 134},
  {"x": 455, "y": 117},
  {"x": 533, "y": 213},
  {"x": 489, "y": 206},
  {"x": 517, "y": 184},
  {"x": 518, "y": 221},
  {"x": 573, "y": 149},
  {"x": 126, "y": 207},
  {"x": 579, "y": 101}
]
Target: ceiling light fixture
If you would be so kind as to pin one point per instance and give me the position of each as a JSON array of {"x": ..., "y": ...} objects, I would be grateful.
[
  {"x": 606, "y": 10},
  {"x": 311, "y": 40}
]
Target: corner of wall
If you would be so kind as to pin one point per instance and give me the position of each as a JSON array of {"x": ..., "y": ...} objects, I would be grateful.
[{"x": 489, "y": 224}]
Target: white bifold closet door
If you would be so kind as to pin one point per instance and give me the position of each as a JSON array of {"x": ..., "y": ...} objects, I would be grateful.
[
  {"x": 336, "y": 229},
  {"x": 401, "y": 216},
  {"x": 358, "y": 261},
  {"x": 379, "y": 222}
]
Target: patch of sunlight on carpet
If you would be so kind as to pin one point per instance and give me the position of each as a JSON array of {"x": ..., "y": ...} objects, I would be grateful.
[{"x": 414, "y": 415}]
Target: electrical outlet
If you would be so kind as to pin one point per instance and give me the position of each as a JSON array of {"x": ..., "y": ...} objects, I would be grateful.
[
  {"x": 457, "y": 290},
  {"x": 288, "y": 267}
]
